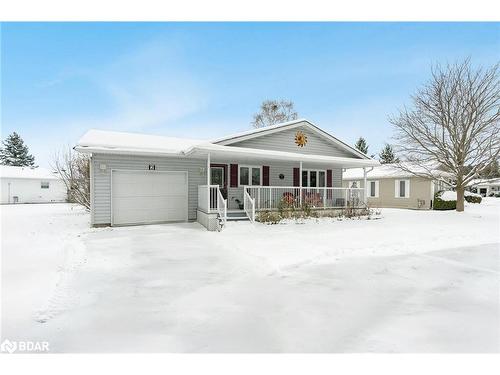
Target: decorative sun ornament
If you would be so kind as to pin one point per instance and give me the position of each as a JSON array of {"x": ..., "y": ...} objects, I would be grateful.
[{"x": 300, "y": 139}]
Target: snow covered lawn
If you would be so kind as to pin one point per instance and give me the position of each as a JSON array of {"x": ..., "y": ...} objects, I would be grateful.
[{"x": 411, "y": 281}]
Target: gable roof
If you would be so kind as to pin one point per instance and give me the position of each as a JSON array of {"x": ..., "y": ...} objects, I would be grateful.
[
  {"x": 259, "y": 132},
  {"x": 113, "y": 142},
  {"x": 7, "y": 171}
]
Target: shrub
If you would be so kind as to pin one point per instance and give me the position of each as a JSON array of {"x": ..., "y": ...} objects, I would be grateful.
[
  {"x": 440, "y": 204},
  {"x": 269, "y": 217},
  {"x": 473, "y": 198},
  {"x": 497, "y": 195}
]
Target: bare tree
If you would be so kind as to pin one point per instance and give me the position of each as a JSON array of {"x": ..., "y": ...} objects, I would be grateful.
[
  {"x": 454, "y": 124},
  {"x": 74, "y": 170},
  {"x": 274, "y": 112}
]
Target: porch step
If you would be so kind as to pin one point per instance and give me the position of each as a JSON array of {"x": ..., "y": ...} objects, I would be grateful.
[
  {"x": 239, "y": 215},
  {"x": 238, "y": 218}
]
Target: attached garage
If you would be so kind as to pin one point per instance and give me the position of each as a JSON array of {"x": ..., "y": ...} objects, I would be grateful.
[{"x": 146, "y": 197}]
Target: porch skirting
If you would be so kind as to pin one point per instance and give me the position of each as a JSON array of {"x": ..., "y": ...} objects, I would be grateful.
[{"x": 208, "y": 220}]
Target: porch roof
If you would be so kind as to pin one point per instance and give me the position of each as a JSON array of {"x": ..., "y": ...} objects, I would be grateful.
[{"x": 254, "y": 154}]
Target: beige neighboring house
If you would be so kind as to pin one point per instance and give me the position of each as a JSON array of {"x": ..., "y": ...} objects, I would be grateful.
[{"x": 389, "y": 186}]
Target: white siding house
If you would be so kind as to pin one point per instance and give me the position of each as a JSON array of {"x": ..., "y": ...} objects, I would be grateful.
[
  {"x": 30, "y": 185},
  {"x": 143, "y": 179}
]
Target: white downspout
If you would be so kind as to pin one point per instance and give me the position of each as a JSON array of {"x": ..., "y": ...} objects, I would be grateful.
[
  {"x": 365, "y": 173},
  {"x": 208, "y": 181},
  {"x": 300, "y": 184}
]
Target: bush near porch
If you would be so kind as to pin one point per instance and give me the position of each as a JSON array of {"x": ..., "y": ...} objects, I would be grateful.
[{"x": 287, "y": 210}]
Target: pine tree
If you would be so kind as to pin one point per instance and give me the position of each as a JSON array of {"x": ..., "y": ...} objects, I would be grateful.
[
  {"x": 361, "y": 145},
  {"x": 14, "y": 152},
  {"x": 387, "y": 155}
]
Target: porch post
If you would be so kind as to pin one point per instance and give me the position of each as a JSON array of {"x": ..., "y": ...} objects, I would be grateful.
[
  {"x": 365, "y": 199},
  {"x": 208, "y": 169},
  {"x": 300, "y": 184},
  {"x": 208, "y": 183}
]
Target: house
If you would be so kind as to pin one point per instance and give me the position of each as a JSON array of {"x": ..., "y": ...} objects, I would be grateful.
[
  {"x": 389, "y": 186},
  {"x": 30, "y": 185},
  {"x": 142, "y": 179},
  {"x": 485, "y": 187}
]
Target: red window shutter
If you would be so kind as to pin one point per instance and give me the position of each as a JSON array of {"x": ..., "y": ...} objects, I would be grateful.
[
  {"x": 265, "y": 175},
  {"x": 329, "y": 179},
  {"x": 234, "y": 175},
  {"x": 296, "y": 176},
  {"x": 329, "y": 183}
]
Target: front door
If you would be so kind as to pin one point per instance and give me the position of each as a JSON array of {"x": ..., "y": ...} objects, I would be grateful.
[{"x": 217, "y": 176}]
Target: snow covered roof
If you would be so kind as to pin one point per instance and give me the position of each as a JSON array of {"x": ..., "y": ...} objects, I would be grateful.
[
  {"x": 102, "y": 141},
  {"x": 482, "y": 181},
  {"x": 120, "y": 141},
  {"x": 7, "y": 171},
  {"x": 258, "y": 130},
  {"x": 385, "y": 171}
]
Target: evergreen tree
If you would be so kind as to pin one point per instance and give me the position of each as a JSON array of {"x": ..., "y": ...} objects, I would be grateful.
[
  {"x": 14, "y": 152},
  {"x": 387, "y": 155},
  {"x": 361, "y": 145}
]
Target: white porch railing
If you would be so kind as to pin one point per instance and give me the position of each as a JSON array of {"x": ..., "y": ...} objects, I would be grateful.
[
  {"x": 274, "y": 197},
  {"x": 221, "y": 206},
  {"x": 208, "y": 198},
  {"x": 249, "y": 205}
]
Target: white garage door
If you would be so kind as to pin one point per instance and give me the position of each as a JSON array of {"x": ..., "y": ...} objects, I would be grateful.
[{"x": 143, "y": 197}]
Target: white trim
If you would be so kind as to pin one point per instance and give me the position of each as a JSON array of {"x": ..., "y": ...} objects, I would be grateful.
[
  {"x": 249, "y": 174},
  {"x": 147, "y": 171},
  {"x": 407, "y": 188}
]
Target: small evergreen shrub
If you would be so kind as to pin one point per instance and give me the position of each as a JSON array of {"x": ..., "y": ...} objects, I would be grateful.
[
  {"x": 473, "y": 199},
  {"x": 440, "y": 204}
]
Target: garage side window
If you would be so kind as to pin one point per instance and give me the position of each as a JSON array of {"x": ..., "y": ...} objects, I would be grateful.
[
  {"x": 44, "y": 185},
  {"x": 402, "y": 188},
  {"x": 373, "y": 189}
]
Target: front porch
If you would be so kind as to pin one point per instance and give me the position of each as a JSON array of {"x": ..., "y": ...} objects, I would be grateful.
[
  {"x": 212, "y": 202},
  {"x": 268, "y": 182}
]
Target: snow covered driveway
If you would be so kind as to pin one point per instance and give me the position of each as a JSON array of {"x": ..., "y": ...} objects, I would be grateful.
[{"x": 413, "y": 281}]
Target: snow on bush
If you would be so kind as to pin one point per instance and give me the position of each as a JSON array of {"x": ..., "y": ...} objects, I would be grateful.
[{"x": 452, "y": 196}]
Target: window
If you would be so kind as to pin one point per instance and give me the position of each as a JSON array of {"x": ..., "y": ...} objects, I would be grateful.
[
  {"x": 373, "y": 187},
  {"x": 402, "y": 188},
  {"x": 44, "y": 185},
  {"x": 250, "y": 175},
  {"x": 402, "y": 185},
  {"x": 313, "y": 178}
]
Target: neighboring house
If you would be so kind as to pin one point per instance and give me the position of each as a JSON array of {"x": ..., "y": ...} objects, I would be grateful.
[
  {"x": 140, "y": 179},
  {"x": 30, "y": 185},
  {"x": 389, "y": 186},
  {"x": 485, "y": 187}
]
